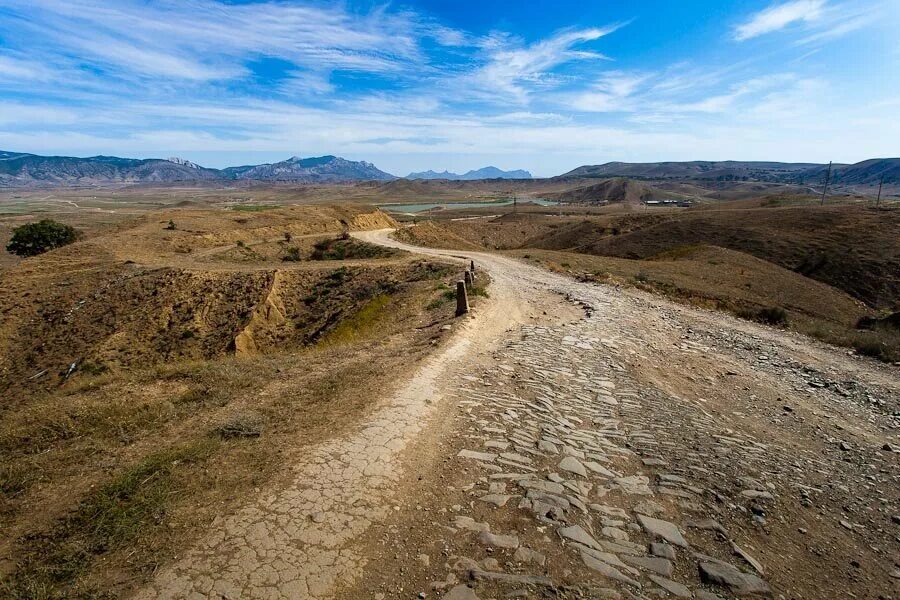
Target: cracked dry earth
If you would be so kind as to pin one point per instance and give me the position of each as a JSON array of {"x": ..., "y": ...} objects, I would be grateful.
[{"x": 632, "y": 448}]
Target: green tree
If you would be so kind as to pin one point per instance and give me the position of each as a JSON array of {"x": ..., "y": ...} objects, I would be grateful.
[{"x": 32, "y": 239}]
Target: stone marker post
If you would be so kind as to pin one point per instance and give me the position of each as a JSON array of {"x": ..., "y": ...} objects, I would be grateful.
[
  {"x": 472, "y": 265},
  {"x": 462, "y": 300},
  {"x": 470, "y": 279}
]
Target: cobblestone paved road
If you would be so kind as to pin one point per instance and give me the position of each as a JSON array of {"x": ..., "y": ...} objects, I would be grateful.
[{"x": 637, "y": 449}]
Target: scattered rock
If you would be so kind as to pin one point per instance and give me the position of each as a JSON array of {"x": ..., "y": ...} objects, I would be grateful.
[
  {"x": 501, "y": 541},
  {"x": 460, "y": 592},
  {"x": 658, "y": 565},
  {"x": 664, "y": 529},
  {"x": 607, "y": 570},
  {"x": 497, "y": 500},
  {"x": 662, "y": 550},
  {"x": 738, "y": 582},
  {"x": 482, "y": 456},
  {"x": 572, "y": 465},
  {"x": 527, "y": 555},
  {"x": 673, "y": 587}
]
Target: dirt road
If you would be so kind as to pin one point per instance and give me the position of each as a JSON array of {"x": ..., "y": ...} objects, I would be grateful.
[{"x": 584, "y": 441}]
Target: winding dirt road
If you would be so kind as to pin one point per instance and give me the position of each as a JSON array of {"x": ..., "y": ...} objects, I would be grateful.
[{"x": 575, "y": 440}]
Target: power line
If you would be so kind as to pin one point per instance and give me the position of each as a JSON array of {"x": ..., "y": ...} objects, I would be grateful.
[
  {"x": 827, "y": 177},
  {"x": 880, "y": 183}
]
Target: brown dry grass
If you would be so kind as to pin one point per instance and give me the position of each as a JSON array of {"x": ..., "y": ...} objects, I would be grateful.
[{"x": 111, "y": 472}]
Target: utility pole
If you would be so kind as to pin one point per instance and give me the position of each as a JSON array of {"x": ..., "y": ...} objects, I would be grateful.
[
  {"x": 827, "y": 177},
  {"x": 880, "y": 183}
]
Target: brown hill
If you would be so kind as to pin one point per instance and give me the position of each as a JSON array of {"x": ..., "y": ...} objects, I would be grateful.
[
  {"x": 616, "y": 190},
  {"x": 853, "y": 248}
]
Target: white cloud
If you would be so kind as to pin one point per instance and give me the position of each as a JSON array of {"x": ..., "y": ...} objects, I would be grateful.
[
  {"x": 779, "y": 16},
  {"x": 513, "y": 70},
  {"x": 18, "y": 69},
  {"x": 208, "y": 39}
]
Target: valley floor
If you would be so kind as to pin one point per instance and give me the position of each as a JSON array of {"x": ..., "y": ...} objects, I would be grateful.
[{"x": 576, "y": 440}]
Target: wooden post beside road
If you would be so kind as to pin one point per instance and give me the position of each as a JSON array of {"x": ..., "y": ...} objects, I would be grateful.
[
  {"x": 462, "y": 300},
  {"x": 470, "y": 279},
  {"x": 472, "y": 265}
]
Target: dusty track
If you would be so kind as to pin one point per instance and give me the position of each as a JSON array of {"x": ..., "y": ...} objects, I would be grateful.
[{"x": 574, "y": 429}]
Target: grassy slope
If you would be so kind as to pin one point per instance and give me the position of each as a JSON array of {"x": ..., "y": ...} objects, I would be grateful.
[{"x": 809, "y": 260}]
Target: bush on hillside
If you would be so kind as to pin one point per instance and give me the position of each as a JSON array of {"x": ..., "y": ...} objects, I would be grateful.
[
  {"x": 772, "y": 315},
  {"x": 32, "y": 239}
]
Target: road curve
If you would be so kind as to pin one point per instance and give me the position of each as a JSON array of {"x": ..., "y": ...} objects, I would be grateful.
[{"x": 609, "y": 444}]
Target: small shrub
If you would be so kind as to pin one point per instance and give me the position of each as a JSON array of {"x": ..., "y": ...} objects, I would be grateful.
[
  {"x": 347, "y": 248},
  {"x": 241, "y": 426},
  {"x": 240, "y": 243},
  {"x": 32, "y": 239},
  {"x": 871, "y": 348},
  {"x": 642, "y": 277},
  {"x": 92, "y": 368},
  {"x": 772, "y": 315},
  {"x": 292, "y": 255},
  {"x": 288, "y": 237},
  {"x": 171, "y": 225}
]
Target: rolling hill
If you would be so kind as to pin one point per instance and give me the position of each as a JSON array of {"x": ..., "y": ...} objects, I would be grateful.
[
  {"x": 610, "y": 191},
  {"x": 867, "y": 172}
]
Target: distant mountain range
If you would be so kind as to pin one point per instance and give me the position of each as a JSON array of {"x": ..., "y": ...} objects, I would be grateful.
[
  {"x": 31, "y": 170},
  {"x": 484, "y": 173},
  {"x": 867, "y": 172},
  {"x": 19, "y": 169}
]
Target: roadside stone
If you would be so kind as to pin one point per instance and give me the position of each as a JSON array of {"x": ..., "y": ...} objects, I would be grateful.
[
  {"x": 664, "y": 529},
  {"x": 750, "y": 560},
  {"x": 648, "y": 507},
  {"x": 612, "y": 511},
  {"x": 738, "y": 582},
  {"x": 662, "y": 550},
  {"x": 572, "y": 465},
  {"x": 527, "y": 555},
  {"x": 470, "y": 524},
  {"x": 673, "y": 587},
  {"x": 599, "y": 469},
  {"x": 501, "y": 541},
  {"x": 708, "y": 525},
  {"x": 482, "y": 456},
  {"x": 478, "y": 574},
  {"x": 460, "y": 592},
  {"x": 658, "y": 565},
  {"x": 636, "y": 485},
  {"x": 549, "y": 447},
  {"x": 497, "y": 500},
  {"x": 609, "y": 558},
  {"x": 545, "y": 486},
  {"x": 607, "y": 570},
  {"x": 576, "y": 533},
  {"x": 757, "y": 495},
  {"x": 614, "y": 533}
]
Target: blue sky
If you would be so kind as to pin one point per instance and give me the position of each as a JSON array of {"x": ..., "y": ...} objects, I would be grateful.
[{"x": 539, "y": 85}]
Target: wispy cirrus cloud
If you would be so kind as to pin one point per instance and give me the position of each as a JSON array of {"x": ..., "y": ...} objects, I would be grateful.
[
  {"x": 512, "y": 69},
  {"x": 210, "y": 40},
  {"x": 777, "y": 17}
]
